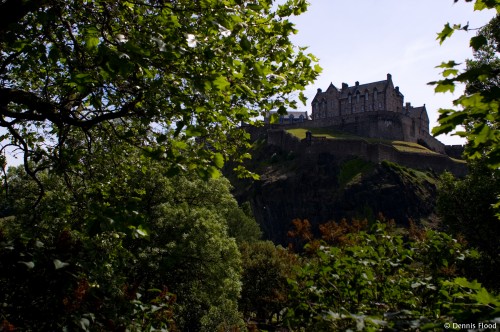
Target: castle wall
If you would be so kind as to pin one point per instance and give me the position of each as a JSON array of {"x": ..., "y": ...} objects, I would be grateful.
[
  {"x": 433, "y": 143},
  {"x": 373, "y": 110},
  {"x": 374, "y": 152},
  {"x": 455, "y": 151},
  {"x": 382, "y": 125}
]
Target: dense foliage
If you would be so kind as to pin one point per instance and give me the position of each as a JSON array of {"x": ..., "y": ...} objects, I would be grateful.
[
  {"x": 466, "y": 207},
  {"x": 154, "y": 74},
  {"x": 265, "y": 290},
  {"x": 380, "y": 279},
  {"x": 478, "y": 110},
  {"x": 153, "y": 253}
]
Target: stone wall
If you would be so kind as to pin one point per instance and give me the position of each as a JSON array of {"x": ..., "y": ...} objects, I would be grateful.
[
  {"x": 374, "y": 152},
  {"x": 380, "y": 124}
]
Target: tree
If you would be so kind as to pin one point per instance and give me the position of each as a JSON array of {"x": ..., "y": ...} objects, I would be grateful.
[
  {"x": 124, "y": 245},
  {"x": 486, "y": 54},
  {"x": 381, "y": 279},
  {"x": 266, "y": 269},
  {"x": 154, "y": 74},
  {"x": 466, "y": 209},
  {"x": 479, "y": 111}
]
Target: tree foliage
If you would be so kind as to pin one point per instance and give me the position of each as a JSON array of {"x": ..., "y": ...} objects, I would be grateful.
[
  {"x": 154, "y": 74},
  {"x": 266, "y": 269},
  {"x": 466, "y": 208},
  {"x": 125, "y": 246},
  {"x": 479, "y": 112},
  {"x": 381, "y": 279}
]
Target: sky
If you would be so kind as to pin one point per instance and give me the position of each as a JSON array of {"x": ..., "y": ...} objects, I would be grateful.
[{"x": 364, "y": 40}]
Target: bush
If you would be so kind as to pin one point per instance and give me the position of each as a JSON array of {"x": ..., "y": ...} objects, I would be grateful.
[{"x": 382, "y": 280}]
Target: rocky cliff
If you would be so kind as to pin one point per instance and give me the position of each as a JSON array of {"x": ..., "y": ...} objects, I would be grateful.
[{"x": 324, "y": 187}]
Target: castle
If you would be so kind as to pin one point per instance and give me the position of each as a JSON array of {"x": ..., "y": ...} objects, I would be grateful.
[{"x": 374, "y": 110}]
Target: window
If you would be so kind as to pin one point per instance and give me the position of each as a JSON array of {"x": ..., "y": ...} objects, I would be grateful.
[
  {"x": 350, "y": 99},
  {"x": 366, "y": 95}
]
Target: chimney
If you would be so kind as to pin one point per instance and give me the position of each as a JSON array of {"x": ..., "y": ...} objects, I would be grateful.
[
  {"x": 319, "y": 90},
  {"x": 408, "y": 105},
  {"x": 397, "y": 89},
  {"x": 389, "y": 77},
  {"x": 357, "y": 83},
  {"x": 344, "y": 86}
]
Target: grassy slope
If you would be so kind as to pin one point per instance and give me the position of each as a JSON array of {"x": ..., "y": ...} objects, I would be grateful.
[{"x": 334, "y": 134}]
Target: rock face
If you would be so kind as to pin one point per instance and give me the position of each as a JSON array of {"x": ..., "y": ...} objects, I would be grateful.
[{"x": 325, "y": 187}]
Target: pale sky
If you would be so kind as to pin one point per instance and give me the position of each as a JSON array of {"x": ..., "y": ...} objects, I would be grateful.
[{"x": 363, "y": 40}]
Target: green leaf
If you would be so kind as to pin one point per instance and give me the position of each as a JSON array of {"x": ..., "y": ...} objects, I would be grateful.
[
  {"x": 218, "y": 160},
  {"x": 445, "y": 33},
  {"x": 477, "y": 42},
  {"x": 282, "y": 110},
  {"x": 254, "y": 6},
  {"x": 221, "y": 83},
  {"x": 485, "y": 4},
  {"x": 274, "y": 118},
  {"x": 29, "y": 265},
  {"x": 192, "y": 131},
  {"x": 484, "y": 297},
  {"x": 449, "y": 72},
  {"x": 59, "y": 265},
  {"x": 302, "y": 98},
  {"x": 91, "y": 42},
  {"x": 449, "y": 64},
  {"x": 463, "y": 282},
  {"x": 444, "y": 86},
  {"x": 91, "y": 37},
  {"x": 245, "y": 44}
]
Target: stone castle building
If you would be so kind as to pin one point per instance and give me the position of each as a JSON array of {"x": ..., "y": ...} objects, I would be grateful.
[{"x": 375, "y": 110}]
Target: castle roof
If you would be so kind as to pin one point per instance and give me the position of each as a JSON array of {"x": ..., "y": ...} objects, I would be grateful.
[
  {"x": 418, "y": 112},
  {"x": 379, "y": 86},
  {"x": 347, "y": 90}
]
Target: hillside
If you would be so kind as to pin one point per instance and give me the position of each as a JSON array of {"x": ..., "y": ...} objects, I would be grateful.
[
  {"x": 329, "y": 133},
  {"x": 324, "y": 186}
]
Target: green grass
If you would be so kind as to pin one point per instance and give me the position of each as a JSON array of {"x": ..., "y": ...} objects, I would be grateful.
[
  {"x": 321, "y": 132},
  {"x": 416, "y": 176},
  {"x": 330, "y": 133},
  {"x": 410, "y": 147},
  {"x": 352, "y": 169}
]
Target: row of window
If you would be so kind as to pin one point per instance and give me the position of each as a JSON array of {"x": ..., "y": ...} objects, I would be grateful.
[
  {"x": 375, "y": 96},
  {"x": 322, "y": 112},
  {"x": 332, "y": 103},
  {"x": 291, "y": 118}
]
